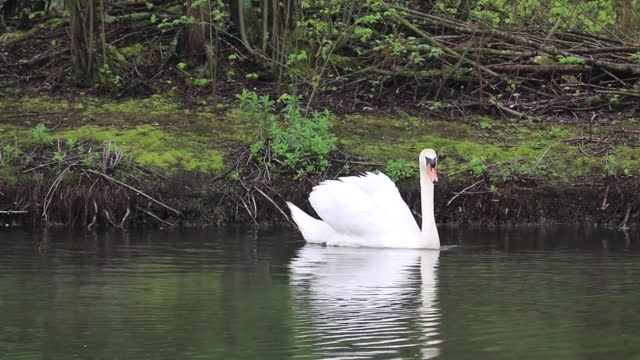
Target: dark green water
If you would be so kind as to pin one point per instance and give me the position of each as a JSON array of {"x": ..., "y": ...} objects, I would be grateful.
[{"x": 557, "y": 293}]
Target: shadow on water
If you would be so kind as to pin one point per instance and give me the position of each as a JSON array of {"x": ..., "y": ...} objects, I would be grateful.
[{"x": 565, "y": 292}]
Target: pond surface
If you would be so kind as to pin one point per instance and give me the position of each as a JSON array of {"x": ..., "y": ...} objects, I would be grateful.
[{"x": 527, "y": 293}]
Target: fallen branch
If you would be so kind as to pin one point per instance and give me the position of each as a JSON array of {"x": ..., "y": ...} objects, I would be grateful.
[
  {"x": 154, "y": 216},
  {"x": 274, "y": 204},
  {"x": 510, "y": 111},
  {"x": 624, "y": 225},
  {"x": 135, "y": 190},
  {"x": 542, "y": 157},
  {"x": 464, "y": 190},
  {"x": 560, "y": 68}
]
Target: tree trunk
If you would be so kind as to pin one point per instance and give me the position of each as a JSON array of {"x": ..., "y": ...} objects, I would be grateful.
[
  {"x": 196, "y": 35},
  {"x": 82, "y": 33},
  {"x": 464, "y": 10},
  {"x": 2, "y": 26}
]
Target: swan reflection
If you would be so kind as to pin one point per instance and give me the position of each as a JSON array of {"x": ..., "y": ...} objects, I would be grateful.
[{"x": 365, "y": 302}]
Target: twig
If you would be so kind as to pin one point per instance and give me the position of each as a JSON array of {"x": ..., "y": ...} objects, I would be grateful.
[
  {"x": 624, "y": 225},
  {"x": 10, "y": 212},
  {"x": 605, "y": 205},
  {"x": 247, "y": 208},
  {"x": 95, "y": 212},
  {"x": 124, "y": 218},
  {"x": 274, "y": 204},
  {"x": 154, "y": 216},
  {"x": 463, "y": 190},
  {"x": 510, "y": 111},
  {"x": 134, "y": 189},
  {"x": 541, "y": 157}
]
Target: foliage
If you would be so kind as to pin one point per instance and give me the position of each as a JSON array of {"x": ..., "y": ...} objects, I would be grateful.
[
  {"x": 108, "y": 78},
  {"x": 478, "y": 165},
  {"x": 40, "y": 135},
  {"x": 485, "y": 125},
  {"x": 595, "y": 15},
  {"x": 301, "y": 143},
  {"x": 610, "y": 165},
  {"x": 569, "y": 60},
  {"x": 399, "y": 169}
]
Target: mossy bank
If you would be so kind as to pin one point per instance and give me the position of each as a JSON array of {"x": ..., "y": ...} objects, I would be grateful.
[{"x": 195, "y": 161}]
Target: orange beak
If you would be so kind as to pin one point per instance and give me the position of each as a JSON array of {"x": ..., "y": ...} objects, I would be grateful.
[{"x": 433, "y": 175}]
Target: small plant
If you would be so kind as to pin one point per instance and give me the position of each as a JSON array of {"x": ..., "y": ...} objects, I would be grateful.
[
  {"x": 59, "y": 156},
  {"x": 485, "y": 125},
  {"x": 235, "y": 175},
  {"x": 399, "y": 169},
  {"x": 478, "y": 165},
  {"x": 570, "y": 60},
  {"x": 611, "y": 165},
  {"x": 9, "y": 153},
  {"x": 302, "y": 143},
  {"x": 626, "y": 172},
  {"x": 41, "y": 136},
  {"x": 555, "y": 131},
  {"x": 436, "y": 106},
  {"x": 108, "y": 78},
  {"x": 200, "y": 82},
  {"x": 182, "y": 66},
  {"x": 614, "y": 99},
  {"x": 91, "y": 159}
]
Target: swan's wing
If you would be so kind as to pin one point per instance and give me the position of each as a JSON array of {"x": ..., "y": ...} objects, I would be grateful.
[{"x": 362, "y": 205}]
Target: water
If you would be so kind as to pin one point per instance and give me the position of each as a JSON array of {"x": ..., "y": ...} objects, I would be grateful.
[{"x": 561, "y": 293}]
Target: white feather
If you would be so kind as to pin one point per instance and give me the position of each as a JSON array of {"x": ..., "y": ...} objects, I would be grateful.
[{"x": 362, "y": 210}]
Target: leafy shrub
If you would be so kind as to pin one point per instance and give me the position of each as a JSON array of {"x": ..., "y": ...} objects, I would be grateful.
[
  {"x": 399, "y": 169},
  {"x": 302, "y": 143}
]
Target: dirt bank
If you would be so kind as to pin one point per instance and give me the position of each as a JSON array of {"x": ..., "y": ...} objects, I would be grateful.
[{"x": 157, "y": 162}]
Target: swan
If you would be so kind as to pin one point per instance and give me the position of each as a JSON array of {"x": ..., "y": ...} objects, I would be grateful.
[{"x": 368, "y": 211}]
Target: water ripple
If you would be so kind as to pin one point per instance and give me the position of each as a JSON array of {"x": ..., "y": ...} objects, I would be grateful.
[{"x": 363, "y": 303}]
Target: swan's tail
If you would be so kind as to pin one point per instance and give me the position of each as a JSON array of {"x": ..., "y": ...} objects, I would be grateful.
[{"x": 312, "y": 229}]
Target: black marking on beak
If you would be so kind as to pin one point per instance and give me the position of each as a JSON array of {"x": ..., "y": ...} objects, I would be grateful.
[{"x": 433, "y": 162}]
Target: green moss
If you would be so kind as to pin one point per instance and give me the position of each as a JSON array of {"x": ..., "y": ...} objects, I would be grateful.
[
  {"x": 41, "y": 104},
  {"x": 10, "y": 133},
  {"x": 151, "y": 146},
  {"x": 115, "y": 54},
  {"x": 55, "y": 22},
  {"x": 11, "y": 36},
  {"x": 133, "y": 51},
  {"x": 509, "y": 148},
  {"x": 153, "y": 105}
]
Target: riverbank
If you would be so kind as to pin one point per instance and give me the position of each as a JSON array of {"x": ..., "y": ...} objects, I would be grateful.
[{"x": 158, "y": 162}]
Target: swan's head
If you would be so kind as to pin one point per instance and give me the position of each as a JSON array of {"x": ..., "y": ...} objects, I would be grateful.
[{"x": 428, "y": 163}]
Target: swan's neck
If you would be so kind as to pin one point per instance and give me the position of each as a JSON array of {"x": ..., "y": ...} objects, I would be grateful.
[{"x": 429, "y": 229}]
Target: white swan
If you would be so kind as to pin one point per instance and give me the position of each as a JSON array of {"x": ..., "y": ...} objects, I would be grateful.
[{"x": 368, "y": 211}]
